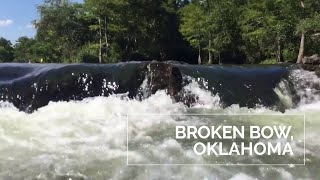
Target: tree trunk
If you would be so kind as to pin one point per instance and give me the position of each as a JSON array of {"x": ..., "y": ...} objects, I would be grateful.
[
  {"x": 301, "y": 49},
  {"x": 302, "y": 3},
  {"x": 209, "y": 48},
  {"x": 100, "y": 41},
  {"x": 278, "y": 52},
  {"x": 210, "y": 54},
  {"x": 106, "y": 37},
  {"x": 199, "y": 57}
]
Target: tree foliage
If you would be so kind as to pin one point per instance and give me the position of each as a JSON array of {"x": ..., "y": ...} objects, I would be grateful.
[
  {"x": 228, "y": 31},
  {"x": 256, "y": 30},
  {"x": 6, "y": 51}
]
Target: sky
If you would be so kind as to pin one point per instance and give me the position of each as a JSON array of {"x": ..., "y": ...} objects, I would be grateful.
[{"x": 16, "y": 17}]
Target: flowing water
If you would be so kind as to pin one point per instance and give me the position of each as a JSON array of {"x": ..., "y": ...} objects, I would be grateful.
[{"x": 87, "y": 139}]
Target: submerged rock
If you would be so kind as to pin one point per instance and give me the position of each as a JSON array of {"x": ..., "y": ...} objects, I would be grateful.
[
  {"x": 164, "y": 77},
  {"x": 314, "y": 68},
  {"x": 312, "y": 60}
]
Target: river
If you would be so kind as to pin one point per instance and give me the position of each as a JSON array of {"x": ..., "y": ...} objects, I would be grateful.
[{"x": 86, "y": 138}]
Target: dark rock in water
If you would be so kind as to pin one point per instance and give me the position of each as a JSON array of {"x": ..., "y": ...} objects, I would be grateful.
[
  {"x": 308, "y": 67},
  {"x": 164, "y": 77},
  {"x": 315, "y": 68},
  {"x": 318, "y": 72},
  {"x": 312, "y": 60}
]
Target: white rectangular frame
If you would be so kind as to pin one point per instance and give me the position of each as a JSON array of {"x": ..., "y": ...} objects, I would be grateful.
[{"x": 138, "y": 164}]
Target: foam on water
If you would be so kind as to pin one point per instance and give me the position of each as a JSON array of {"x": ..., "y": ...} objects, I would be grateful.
[
  {"x": 87, "y": 139},
  {"x": 307, "y": 86}
]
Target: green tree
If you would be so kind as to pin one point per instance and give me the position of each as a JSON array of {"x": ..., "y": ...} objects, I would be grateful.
[
  {"x": 107, "y": 31},
  {"x": 6, "y": 50},
  {"x": 106, "y": 18},
  {"x": 193, "y": 26},
  {"x": 62, "y": 27},
  {"x": 223, "y": 31},
  {"x": 308, "y": 24},
  {"x": 211, "y": 26},
  {"x": 23, "y": 51}
]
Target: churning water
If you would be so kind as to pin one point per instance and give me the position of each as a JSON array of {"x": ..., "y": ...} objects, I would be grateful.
[{"x": 87, "y": 139}]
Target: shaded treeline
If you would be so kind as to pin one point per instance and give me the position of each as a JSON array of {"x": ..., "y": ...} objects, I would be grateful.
[{"x": 206, "y": 31}]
